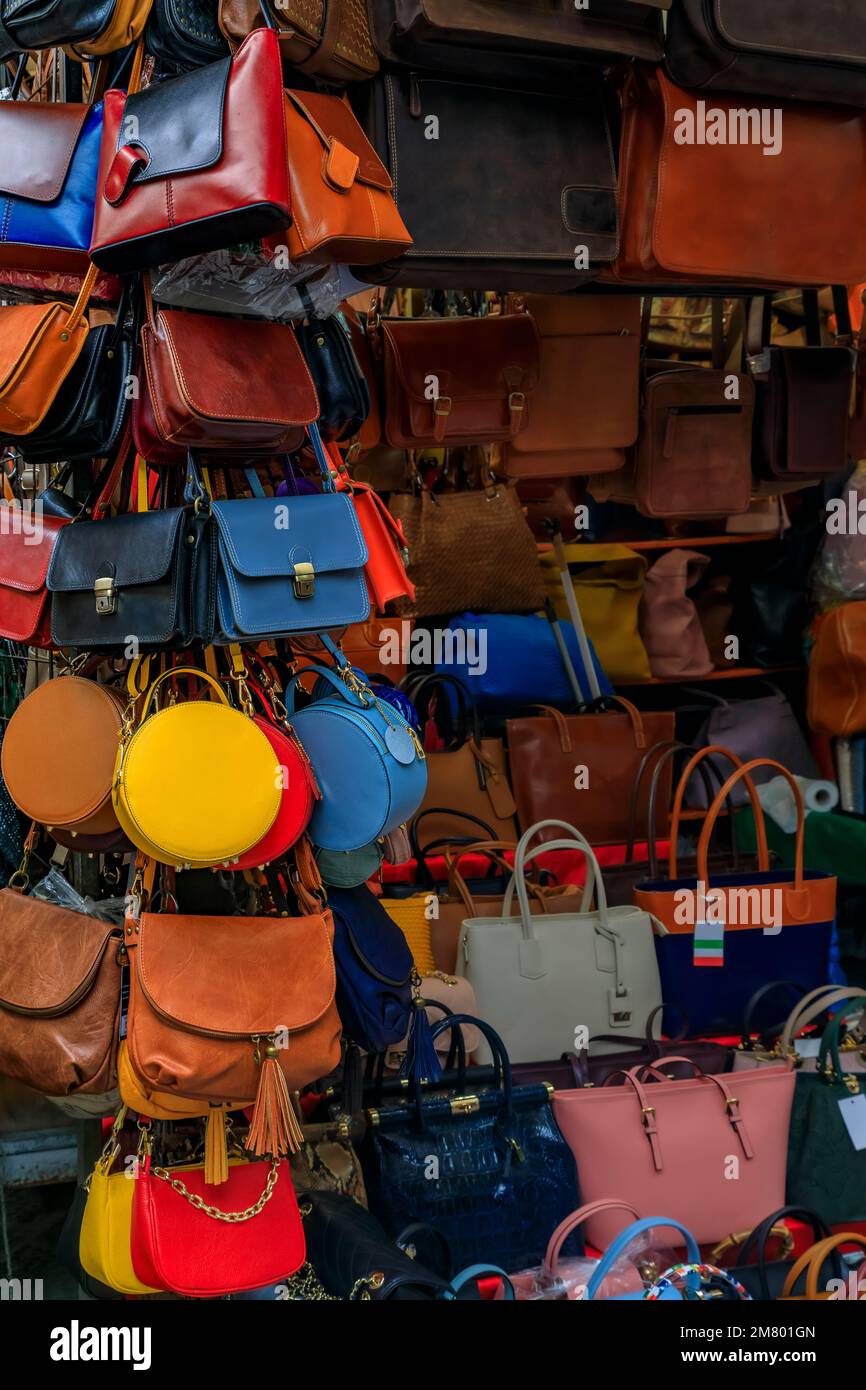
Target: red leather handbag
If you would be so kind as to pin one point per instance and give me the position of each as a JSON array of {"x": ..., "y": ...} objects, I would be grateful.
[
  {"x": 194, "y": 163},
  {"x": 387, "y": 549},
  {"x": 191, "y": 1246}
]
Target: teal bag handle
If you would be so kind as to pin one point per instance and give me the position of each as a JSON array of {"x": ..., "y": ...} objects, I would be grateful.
[
  {"x": 624, "y": 1239},
  {"x": 474, "y": 1272},
  {"x": 830, "y": 1036},
  {"x": 350, "y": 696}
]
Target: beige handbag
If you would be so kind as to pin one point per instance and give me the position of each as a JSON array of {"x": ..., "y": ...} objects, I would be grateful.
[{"x": 810, "y": 1008}]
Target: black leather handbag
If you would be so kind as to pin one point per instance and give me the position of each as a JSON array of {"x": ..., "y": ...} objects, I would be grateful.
[
  {"x": 91, "y": 406},
  {"x": 764, "y": 1279},
  {"x": 26, "y": 24},
  {"x": 184, "y": 34},
  {"x": 504, "y": 1175},
  {"x": 351, "y": 1253},
  {"x": 344, "y": 396},
  {"x": 516, "y": 192}
]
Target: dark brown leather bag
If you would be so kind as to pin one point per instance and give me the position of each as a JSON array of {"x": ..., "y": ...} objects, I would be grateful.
[
  {"x": 59, "y": 997},
  {"x": 807, "y": 52},
  {"x": 328, "y": 39},
  {"x": 547, "y": 750}
]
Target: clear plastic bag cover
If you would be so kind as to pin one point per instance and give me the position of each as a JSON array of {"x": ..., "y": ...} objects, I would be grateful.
[
  {"x": 839, "y": 573},
  {"x": 54, "y": 888},
  {"x": 250, "y": 279}
]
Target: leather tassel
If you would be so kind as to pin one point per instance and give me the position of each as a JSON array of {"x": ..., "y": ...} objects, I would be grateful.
[
  {"x": 274, "y": 1128},
  {"x": 216, "y": 1154},
  {"x": 421, "y": 1062}
]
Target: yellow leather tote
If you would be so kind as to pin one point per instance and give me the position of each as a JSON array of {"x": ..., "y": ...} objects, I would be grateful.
[
  {"x": 105, "y": 1240},
  {"x": 608, "y": 583},
  {"x": 196, "y": 783},
  {"x": 156, "y": 1105}
]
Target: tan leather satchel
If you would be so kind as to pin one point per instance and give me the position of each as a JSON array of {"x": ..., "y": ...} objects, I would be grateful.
[
  {"x": 59, "y": 997},
  {"x": 329, "y": 39}
]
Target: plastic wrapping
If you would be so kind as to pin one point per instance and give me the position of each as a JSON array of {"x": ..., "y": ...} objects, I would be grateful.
[
  {"x": 839, "y": 574},
  {"x": 54, "y": 888},
  {"x": 25, "y": 287},
  {"x": 251, "y": 279},
  {"x": 636, "y": 1269}
]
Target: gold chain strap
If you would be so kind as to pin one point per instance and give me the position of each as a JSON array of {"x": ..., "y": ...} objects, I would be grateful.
[
  {"x": 214, "y": 1212},
  {"x": 306, "y": 1285}
]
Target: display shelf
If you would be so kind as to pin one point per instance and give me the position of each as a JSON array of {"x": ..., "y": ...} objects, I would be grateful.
[
  {"x": 702, "y": 542},
  {"x": 736, "y": 673}
]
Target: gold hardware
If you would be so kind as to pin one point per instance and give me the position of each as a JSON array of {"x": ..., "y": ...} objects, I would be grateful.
[
  {"x": 64, "y": 337},
  {"x": 549, "y": 1088},
  {"x": 232, "y": 1217},
  {"x": 105, "y": 593},
  {"x": 373, "y": 1117},
  {"x": 730, "y": 1103},
  {"x": 465, "y": 1105},
  {"x": 304, "y": 579},
  {"x": 853, "y": 1085},
  {"x": 646, "y": 1111}
]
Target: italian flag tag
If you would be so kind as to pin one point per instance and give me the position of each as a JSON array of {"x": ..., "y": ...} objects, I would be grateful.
[{"x": 709, "y": 943}]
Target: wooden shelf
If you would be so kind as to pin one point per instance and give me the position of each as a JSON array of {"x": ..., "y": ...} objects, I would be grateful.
[
  {"x": 701, "y": 542},
  {"x": 735, "y": 673}
]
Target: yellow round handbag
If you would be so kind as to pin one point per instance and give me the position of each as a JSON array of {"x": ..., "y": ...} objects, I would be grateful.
[
  {"x": 196, "y": 783},
  {"x": 104, "y": 1245}
]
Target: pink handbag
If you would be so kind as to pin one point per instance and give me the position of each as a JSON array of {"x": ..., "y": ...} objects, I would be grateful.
[
  {"x": 529, "y": 1282},
  {"x": 668, "y": 619},
  {"x": 709, "y": 1151}
]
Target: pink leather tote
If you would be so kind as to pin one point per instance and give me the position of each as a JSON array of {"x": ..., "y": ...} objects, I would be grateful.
[{"x": 709, "y": 1151}]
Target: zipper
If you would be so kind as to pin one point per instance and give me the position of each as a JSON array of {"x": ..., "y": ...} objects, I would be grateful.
[
  {"x": 74, "y": 998},
  {"x": 204, "y": 1032}
]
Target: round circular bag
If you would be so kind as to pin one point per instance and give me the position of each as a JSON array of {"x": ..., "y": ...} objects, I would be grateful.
[
  {"x": 296, "y": 802},
  {"x": 197, "y": 783},
  {"x": 59, "y": 752}
]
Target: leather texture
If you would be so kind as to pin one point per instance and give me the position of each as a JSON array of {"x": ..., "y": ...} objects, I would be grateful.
[
  {"x": 49, "y": 157},
  {"x": 105, "y": 1243},
  {"x": 345, "y": 1243},
  {"x": 94, "y": 26},
  {"x": 147, "y": 1100},
  {"x": 231, "y": 123},
  {"x": 180, "y": 1247},
  {"x": 788, "y": 50},
  {"x": 608, "y": 582},
  {"x": 59, "y": 751},
  {"x": 25, "y": 606},
  {"x": 374, "y": 969},
  {"x": 261, "y": 543},
  {"x": 801, "y": 415},
  {"x": 585, "y": 408},
  {"x": 341, "y": 386},
  {"x": 39, "y": 346},
  {"x": 184, "y": 34},
  {"x": 533, "y": 975},
  {"x": 544, "y": 752},
  {"x": 203, "y": 394},
  {"x": 765, "y": 1279},
  {"x": 837, "y": 694},
  {"x": 589, "y": 1070},
  {"x": 511, "y": 225},
  {"x": 59, "y": 997},
  {"x": 484, "y": 370},
  {"x": 342, "y": 203},
  {"x": 369, "y": 765},
  {"x": 774, "y": 221},
  {"x": 669, "y": 624},
  {"x": 327, "y": 39},
  {"x": 506, "y": 1178},
  {"x": 199, "y": 996},
  {"x": 299, "y": 795},
  {"x": 68, "y": 1255},
  {"x": 663, "y": 1146}
]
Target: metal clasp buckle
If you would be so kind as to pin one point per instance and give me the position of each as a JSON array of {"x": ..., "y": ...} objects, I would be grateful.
[
  {"x": 105, "y": 593},
  {"x": 304, "y": 579}
]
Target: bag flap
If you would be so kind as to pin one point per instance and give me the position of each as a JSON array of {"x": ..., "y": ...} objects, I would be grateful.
[
  {"x": 23, "y": 564},
  {"x": 21, "y": 326},
  {"x": 49, "y": 132},
  {"x": 48, "y": 955},
  {"x": 226, "y": 976},
  {"x": 472, "y": 359},
  {"x": 264, "y": 537},
  {"x": 350, "y": 154},
  {"x": 178, "y": 123},
  {"x": 376, "y": 940},
  {"x": 137, "y": 548},
  {"x": 578, "y": 316},
  {"x": 794, "y": 29}
]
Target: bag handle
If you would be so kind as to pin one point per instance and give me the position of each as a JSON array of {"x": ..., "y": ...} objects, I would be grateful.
[
  {"x": 182, "y": 671},
  {"x": 757, "y": 1240},
  {"x": 816, "y": 1002},
  {"x": 829, "y": 1047},
  {"x": 648, "y": 1113},
  {"x": 619, "y": 1246},
  {"x": 493, "y": 850},
  {"x": 340, "y": 687},
  {"x": 523, "y": 855},
  {"x": 774, "y": 987},
  {"x": 467, "y": 708},
  {"x": 576, "y": 1219},
  {"x": 742, "y": 774},
  {"x": 473, "y": 1273},
  {"x": 812, "y": 1261},
  {"x": 423, "y": 874},
  {"x": 705, "y": 774},
  {"x": 712, "y": 750},
  {"x": 497, "y": 1047}
]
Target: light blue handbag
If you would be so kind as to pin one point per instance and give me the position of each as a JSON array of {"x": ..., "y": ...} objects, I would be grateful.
[
  {"x": 619, "y": 1247},
  {"x": 369, "y": 763}
]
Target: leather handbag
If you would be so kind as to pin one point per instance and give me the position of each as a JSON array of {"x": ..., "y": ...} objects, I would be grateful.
[
  {"x": 341, "y": 387},
  {"x": 370, "y": 645},
  {"x": 469, "y": 772},
  {"x": 584, "y": 412},
  {"x": 68, "y": 1254},
  {"x": 608, "y": 582},
  {"x": 25, "y": 605},
  {"x": 546, "y": 755},
  {"x": 343, "y": 208},
  {"x": 764, "y": 726},
  {"x": 537, "y": 977},
  {"x": 814, "y": 1265},
  {"x": 59, "y": 751},
  {"x": 609, "y": 1281},
  {"x": 506, "y": 227},
  {"x": 225, "y": 383},
  {"x": 367, "y": 759},
  {"x": 59, "y": 997},
  {"x": 49, "y": 156},
  {"x": 354, "y": 1257},
  {"x": 208, "y": 166},
  {"x": 803, "y": 395},
  {"x": 374, "y": 970},
  {"x": 184, "y": 34},
  {"x": 221, "y": 811},
  {"x": 484, "y": 372},
  {"x": 105, "y": 1242},
  {"x": 757, "y": 910},
  {"x": 775, "y": 222},
  {"x": 665, "y": 1144},
  {"x": 369, "y": 434},
  {"x": 39, "y": 346},
  {"x": 205, "y": 1017},
  {"x": 837, "y": 693},
  {"x": 327, "y": 1160},
  {"x": 533, "y": 39},
  {"x": 669, "y": 625},
  {"x": 765, "y": 1279},
  {"x": 98, "y": 27},
  {"x": 776, "y": 52},
  {"x": 589, "y": 1070},
  {"x": 487, "y": 1205},
  {"x": 148, "y": 1100},
  {"x": 767, "y": 1048},
  {"x": 470, "y": 550},
  {"x": 183, "y": 1241},
  {"x": 327, "y": 39}
]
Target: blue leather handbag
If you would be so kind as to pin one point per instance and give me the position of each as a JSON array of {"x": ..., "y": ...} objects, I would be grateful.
[
  {"x": 515, "y": 661},
  {"x": 491, "y": 1172},
  {"x": 374, "y": 970},
  {"x": 368, "y": 760},
  {"x": 49, "y": 159},
  {"x": 618, "y": 1248}
]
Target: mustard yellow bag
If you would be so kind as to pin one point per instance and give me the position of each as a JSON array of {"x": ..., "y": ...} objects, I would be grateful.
[{"x": 608, "y": 582}]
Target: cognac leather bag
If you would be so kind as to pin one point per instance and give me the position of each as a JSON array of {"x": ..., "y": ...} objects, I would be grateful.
[
  {"x": 59, "y": 997},
  {"x": 774, "y": 218},
  {"x": 837, "y": 673},
  {"x": 327, "y": 39},
  {"x": 39, "y": 346},
  {"x": 210, "y": 166},
  {"x": 585, "y": 408},
  {"x": 96, "y": 26}
]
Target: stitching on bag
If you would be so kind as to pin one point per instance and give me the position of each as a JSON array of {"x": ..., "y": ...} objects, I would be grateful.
[
  {"x": 199, "y": 410},
  {"x": 323, "y": 619},
  {"x": 226, "y": 540}
]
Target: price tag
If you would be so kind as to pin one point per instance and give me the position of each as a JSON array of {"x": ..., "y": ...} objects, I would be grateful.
[
  {"x": 853, "y": 1110},
  {"x": 709, "y": 948}
]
